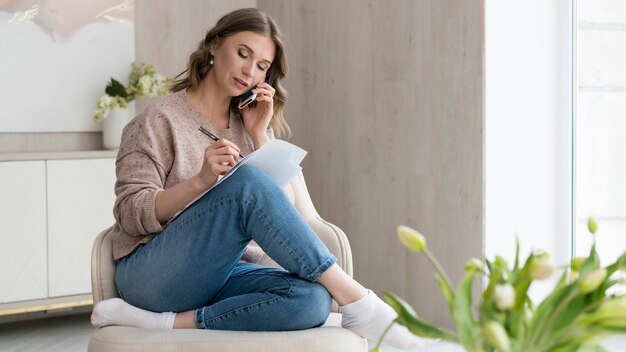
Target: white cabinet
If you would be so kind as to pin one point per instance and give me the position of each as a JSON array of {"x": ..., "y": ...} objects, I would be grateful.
[
  {"x": 80, "y": 206},
  {"x": 51, "y": 210},
  {"x": 23, "y": 231}
]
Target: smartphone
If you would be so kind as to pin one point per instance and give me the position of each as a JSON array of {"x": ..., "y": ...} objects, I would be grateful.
[{"x": 247, "y": 98}]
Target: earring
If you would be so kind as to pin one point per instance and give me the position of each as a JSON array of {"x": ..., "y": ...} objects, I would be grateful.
[{"x": 211, "y": 62}]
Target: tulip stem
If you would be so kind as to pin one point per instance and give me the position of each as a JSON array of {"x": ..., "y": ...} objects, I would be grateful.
[
  {"x": 438, "y": 267},
  {"x": 383, "y": 336}
]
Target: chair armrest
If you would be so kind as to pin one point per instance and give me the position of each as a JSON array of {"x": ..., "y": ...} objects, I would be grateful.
[
  {"x": 336, "y": 241},
  {"x": 103, "y": 268},
  {"x": 332, "y": 236}
]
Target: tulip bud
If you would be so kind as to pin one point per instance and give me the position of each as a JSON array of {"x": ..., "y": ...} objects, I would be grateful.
[
  {"x": 500, "y": 263},
  {"x": 592, "y": 281},
  {"x": 541, "y": 267},
  {"x": 411, "y": 239},
  {"x": 577, "y": 262},
  {"x": 504, "y": 296},
  {"x": 497, "y": 336},
  {"x": 473, "y": 264},
  {"x": 592, "y": 225},
  {"x": 573, "y": 276}
]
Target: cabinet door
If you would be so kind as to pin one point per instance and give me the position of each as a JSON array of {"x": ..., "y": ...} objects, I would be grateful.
[
  {"x": 22, "y": 231},
  {"x": 80, "y": 206}
]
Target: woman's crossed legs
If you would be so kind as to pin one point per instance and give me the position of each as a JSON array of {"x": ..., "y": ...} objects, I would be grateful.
[{"x": 194, "y": 263}]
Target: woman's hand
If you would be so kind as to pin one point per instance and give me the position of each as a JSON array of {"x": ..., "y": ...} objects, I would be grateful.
[
  {"x": 256, "y": 120},
  {"x": 219, "y": 158}
]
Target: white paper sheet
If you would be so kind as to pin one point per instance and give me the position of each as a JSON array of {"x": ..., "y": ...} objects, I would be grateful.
[{"x": 280, "y": 159}]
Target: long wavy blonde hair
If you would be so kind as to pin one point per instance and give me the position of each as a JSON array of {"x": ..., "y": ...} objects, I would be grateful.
[{"x": 252, "y": 20}]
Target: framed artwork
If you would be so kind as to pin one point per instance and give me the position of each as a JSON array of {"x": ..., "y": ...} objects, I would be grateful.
[{"x": 56, "y": 57}]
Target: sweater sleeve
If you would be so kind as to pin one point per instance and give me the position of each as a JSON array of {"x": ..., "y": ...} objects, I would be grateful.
[{"x": 141, "y": 173}]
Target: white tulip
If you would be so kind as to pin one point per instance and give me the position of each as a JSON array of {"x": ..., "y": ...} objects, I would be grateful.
[{"x": 504, "y": 296}]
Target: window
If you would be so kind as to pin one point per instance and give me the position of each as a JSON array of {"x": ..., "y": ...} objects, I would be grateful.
[{"x": 600, "y": 126}]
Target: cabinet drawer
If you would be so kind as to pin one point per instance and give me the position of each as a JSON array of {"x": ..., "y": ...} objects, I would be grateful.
[
  {"x": 23, "y": 256},
  {"x": 80, "y": 205}
]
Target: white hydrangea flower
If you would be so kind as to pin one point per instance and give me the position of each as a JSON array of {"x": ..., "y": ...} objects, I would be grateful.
[
  {"x": 144, "y": 85},
  {"x": 143, "y": 81},
  {"x": 105, "y": 104},
  {"x": 160, "y": 85}
]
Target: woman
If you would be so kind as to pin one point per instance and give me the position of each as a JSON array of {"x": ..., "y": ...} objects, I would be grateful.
[{"x": 192, "y": 264}]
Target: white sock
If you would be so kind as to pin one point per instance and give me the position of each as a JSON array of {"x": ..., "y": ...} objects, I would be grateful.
[
  {"x": 115, "y": 311},
  {"x": 369, "y": 317}
]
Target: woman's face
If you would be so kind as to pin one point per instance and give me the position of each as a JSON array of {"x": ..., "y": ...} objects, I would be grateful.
[{"x": 242, "y": 60}]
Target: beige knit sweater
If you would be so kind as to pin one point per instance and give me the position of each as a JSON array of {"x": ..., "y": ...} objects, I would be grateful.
[{"x": 161, "y": 147}]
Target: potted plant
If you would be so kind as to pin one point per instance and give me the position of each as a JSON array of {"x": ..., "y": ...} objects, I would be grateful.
[
  {"x": 575, "y": 316},
  {"x": 117, "y": 105}
]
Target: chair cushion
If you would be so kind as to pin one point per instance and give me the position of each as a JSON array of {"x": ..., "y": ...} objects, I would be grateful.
[{"x": 328, "y": 338}]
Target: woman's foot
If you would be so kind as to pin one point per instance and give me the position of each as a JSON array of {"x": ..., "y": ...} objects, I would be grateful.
[
  {"x": 369, "y": 317},
  {"x": 115, "y": 311}
]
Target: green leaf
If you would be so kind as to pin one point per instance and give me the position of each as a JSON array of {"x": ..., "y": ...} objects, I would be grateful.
[
  {"x": 568, "y": 347},
  {"x": 115, "y": 89},
  {"x": 591, "y": 263},
  {"x": 462, "y": 311},
  {"x": 621, "y": 261},
  {"x": 494, "y": 279},
  {"x": 565, "y": 320},
  {"x": 419, "y": 327},
  {"x": 611, "y": 269},
  {"x": 544, "y": 311},
  {"x": 407, "y": 317},
  {"x": 489, "y": 311},
  {"x": 398, "y": 304},
  {"x": 562, "y": 281},
  {"x": 592, "y": 348},
  {"x": 521, "y": 282},
  {"x": 489, "y": 266},
  {"x": 585, "y": 338},
  {"x": 517, "y": 324}
]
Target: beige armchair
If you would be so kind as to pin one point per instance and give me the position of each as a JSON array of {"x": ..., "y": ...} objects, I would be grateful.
[{"x": 328, "y": 338}]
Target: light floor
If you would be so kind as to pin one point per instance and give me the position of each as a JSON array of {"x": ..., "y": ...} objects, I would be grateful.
[
  {"x": 71, "y": 334},
  {"x": 67, "y": 334}
]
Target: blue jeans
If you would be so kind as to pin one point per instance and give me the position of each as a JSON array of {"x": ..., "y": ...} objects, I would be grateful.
[{"x": 193, "y": 264}]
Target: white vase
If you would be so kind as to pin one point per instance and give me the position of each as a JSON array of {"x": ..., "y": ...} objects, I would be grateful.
[{"x": 114, "y": 123}]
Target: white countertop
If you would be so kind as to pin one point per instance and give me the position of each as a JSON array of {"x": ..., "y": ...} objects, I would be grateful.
[{"x": 82, "y": 154}]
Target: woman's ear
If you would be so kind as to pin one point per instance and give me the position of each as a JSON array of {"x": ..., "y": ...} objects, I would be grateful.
[{"x": 214, "y": 45}]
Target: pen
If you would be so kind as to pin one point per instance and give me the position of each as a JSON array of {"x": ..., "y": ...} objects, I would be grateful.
[{"x": 212, "y": 136}]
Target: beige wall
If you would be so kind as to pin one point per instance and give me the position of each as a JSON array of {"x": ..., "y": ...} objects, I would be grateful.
[
  {"x": 387, "y": 97},
  {"x": 167, "y": 32}
]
